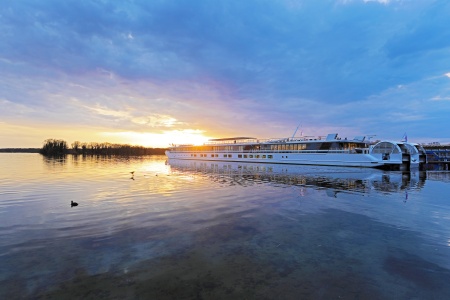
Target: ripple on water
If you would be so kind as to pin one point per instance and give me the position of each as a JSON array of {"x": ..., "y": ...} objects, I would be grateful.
[{"x": 212, "y": 231}]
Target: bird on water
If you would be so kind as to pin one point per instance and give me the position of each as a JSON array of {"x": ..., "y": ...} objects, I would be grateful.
[{"x": 73, "y": 203}]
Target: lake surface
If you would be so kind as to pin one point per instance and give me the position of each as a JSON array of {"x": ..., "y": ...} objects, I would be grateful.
[{"x": 196, "y": 230}]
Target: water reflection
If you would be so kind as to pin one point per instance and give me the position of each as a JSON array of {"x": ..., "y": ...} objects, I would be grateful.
[
  {"x": 52, "y": 161},
  {"x": 334, "y": 180},
  {"x": 439, "y": 176},
  {"x": 191, "y": 230}
]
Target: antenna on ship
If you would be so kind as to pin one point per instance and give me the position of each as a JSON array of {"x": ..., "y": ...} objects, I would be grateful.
[
  {"x": 404, "y": 138},
  {"x": 296, "y": 130}
]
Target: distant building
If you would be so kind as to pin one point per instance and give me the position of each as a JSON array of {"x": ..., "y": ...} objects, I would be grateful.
[{"x": 434, "y": 144}]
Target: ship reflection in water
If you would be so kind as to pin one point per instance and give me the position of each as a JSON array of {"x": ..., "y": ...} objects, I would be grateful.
[
  {"x": 334, "y": 179},
  {"x": 360, "y": 233}
]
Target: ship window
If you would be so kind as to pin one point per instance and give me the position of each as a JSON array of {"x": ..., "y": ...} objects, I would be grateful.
[
  {"x": 224, "y": 155},
  {"x": 385, "y": 147},
  {"x": 239, "y": 155},
  {"x": 251, "y": 156},
  {"x": 257, "y": 156},
  {"x": 325, "y": 146},
  {"x": 245, "y": 155},
  {"x": 264, "y": 156},
  {"x": 229, "y": 155},
  {"x": 270, "y": 156}
]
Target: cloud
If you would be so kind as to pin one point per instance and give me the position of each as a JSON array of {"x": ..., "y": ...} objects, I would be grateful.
[
  {"x": 108, "y": 112},
  {"x": 259, "y": 66},
  {"x": 156, "y": 121},
  {"x": 379, "y": 1},
  {"x": 273, "y": 51},
  {"x": 439, "y": 98},
  {"x": 206, "y": 40}
]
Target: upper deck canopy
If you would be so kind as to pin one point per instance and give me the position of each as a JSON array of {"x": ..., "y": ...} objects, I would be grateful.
[{"x": 232, "y": 139}]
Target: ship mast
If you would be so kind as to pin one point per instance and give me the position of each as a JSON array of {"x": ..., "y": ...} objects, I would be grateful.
[{"x": 296, "y": 130}]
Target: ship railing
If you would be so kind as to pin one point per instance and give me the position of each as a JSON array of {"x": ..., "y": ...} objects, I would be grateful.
[
  {"x": 269, "y": 140},
  {"x": 439, "y": 154},
  {"x": 295, "y": 139},
  {"x": 232, "y": 142}
]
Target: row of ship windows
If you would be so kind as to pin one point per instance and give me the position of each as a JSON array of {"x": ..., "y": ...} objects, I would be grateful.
[
  {"x": 239, "y": 155},
  {"x": 280, "y": 147}
]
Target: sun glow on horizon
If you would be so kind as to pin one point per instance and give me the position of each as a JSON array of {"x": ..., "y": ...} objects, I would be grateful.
[{"x": 158, "y": 140}]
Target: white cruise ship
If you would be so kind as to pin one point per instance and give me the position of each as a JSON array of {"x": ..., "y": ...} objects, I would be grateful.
[{"x": 328, "y": 151}]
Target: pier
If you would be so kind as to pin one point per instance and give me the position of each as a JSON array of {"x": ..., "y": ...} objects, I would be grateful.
[{"x": 439, "y": 157}]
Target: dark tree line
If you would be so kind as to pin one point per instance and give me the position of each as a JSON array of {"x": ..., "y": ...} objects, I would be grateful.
[
  {"x": 53, "y": 147},
  {"x": 58, "y": 147}
]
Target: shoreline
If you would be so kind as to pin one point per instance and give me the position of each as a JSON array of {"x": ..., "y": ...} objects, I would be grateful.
[
  {"x": 152, "y": 151},
  {"x": 20, "y": 150}
]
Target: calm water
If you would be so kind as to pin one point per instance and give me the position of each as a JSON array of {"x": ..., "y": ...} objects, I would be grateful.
[{"x": 185, "y": 230}]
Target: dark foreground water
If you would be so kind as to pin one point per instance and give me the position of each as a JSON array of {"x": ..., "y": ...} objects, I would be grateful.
[{"x": 185, "y": 230}]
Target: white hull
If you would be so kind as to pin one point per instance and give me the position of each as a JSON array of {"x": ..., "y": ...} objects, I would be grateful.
[{"x": 324, "y": 159}]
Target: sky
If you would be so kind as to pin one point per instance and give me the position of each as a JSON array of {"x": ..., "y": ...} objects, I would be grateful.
[{"x": 158, "y": 72}]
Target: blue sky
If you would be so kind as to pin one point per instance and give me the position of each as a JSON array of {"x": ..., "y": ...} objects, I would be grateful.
[{"x": 163, "y": 71}]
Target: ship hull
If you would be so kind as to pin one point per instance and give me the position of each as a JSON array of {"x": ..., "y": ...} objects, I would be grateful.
[{"x": 324, "y": 159}]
